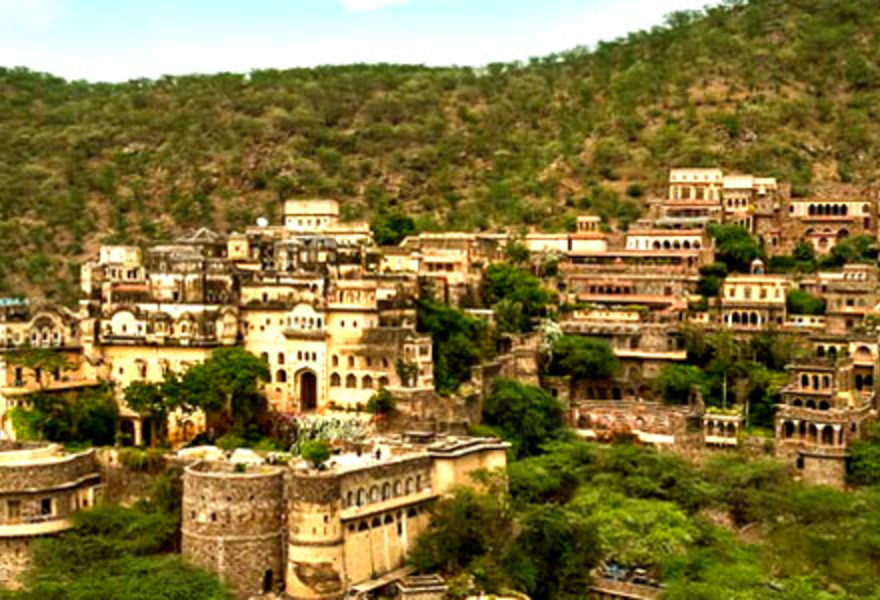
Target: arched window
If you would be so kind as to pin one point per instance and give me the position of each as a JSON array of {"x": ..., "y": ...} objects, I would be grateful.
[
  {"x": 367, "y": 382},
  {"x": 350, "y": 381},
  {"x": 351, "y": 362},
  {"x": 362, "y": 497},
  {"x": 386, "y": 491},
  {"x": 281, "y": 358},
  {"x": 281, "y": 376},
  {"x": 409, "y": 485},
  {"x": 383, "y": 382},
  {"x": 334, "y": 360},
  {"x": 335, "y": 380},
  {"x": 374, "y": 493}
]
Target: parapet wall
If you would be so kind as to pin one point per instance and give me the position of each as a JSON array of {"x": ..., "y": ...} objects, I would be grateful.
[{"x": 39, "y": 469}]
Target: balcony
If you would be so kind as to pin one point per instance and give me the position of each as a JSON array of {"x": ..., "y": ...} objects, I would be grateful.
[{"x": 33, "y": 526}]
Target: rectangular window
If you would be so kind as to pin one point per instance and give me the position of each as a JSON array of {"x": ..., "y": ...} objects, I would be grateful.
[
  {"x": 46, "y": 506},
  {"x": 13, "y": 509}
]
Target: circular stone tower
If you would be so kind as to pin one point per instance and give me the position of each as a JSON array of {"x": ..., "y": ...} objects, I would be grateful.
[
  {"x": 233, "y": 524},
  {"x": 315, "y": 559}
]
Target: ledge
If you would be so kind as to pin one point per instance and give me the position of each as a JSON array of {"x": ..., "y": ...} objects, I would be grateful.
[{"x": 36, "y": 528}]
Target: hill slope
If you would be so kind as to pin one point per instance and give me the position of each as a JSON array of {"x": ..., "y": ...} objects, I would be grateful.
[{"x": 781, "y": 87}]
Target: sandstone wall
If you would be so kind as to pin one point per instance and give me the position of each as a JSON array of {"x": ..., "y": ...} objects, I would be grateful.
[{"x": 233, "y": 524}]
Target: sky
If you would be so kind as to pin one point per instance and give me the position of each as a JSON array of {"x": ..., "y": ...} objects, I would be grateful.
[{"x": 117, "y": 40}]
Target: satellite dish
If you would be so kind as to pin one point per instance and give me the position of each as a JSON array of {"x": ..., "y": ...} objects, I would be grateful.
[{"x": 262, "y": 222}]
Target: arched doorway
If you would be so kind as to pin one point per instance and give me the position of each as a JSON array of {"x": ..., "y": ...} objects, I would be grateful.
[{"x": 308, "y": 391}]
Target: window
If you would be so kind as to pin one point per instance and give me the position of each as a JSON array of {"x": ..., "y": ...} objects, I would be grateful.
[
  {"x": 335, "y": 380},
  {"x": 46, "y": 506},
  {"x": 13, "y": 509},
  {"x": 350, "y": 381}
]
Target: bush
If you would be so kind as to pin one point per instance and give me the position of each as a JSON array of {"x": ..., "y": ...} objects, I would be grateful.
[
  {"x": 381, "y": 403},
  {"x": 316, "y": 452},
  {"x": 799, "y": 302}
]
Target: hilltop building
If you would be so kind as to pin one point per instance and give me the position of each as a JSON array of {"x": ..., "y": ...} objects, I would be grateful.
[{"x": 323, "y": 533}]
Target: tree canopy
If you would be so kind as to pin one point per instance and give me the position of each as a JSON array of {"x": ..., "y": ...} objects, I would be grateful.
[
  {"x": 525, "y": 415},
  {"x": 582, "y": 358}
]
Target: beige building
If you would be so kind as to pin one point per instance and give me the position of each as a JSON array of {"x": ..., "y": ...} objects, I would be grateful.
[
  {"x": 306, "y": 296},
  {"x": 41, "y": 487},
  {"x": 348, "y": 526},
  {"x": 755, "y": 301}
]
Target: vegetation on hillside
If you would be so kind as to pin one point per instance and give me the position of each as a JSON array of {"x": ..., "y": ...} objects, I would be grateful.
[
  {"x": 729, "y": 527},
  {"x": 119, "y": 553},
  {"x": 781, "y": 88}
]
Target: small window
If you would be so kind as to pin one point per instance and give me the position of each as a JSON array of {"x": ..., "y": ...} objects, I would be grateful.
[
  {"x": 46, "y": 506},
  {"x": 13, "y": 509}
]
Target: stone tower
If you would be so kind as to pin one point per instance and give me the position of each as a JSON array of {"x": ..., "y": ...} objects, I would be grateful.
[
  {"x": 234, "y": 524},
  {"x": 315, "y": 559}
]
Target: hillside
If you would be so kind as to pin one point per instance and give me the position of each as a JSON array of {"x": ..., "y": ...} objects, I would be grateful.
[{"x": 789, "y": 88}]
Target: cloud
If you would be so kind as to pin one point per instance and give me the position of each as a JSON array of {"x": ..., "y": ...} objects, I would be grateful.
[
  {"x": 30, "y": 15},
  {"x": 368, "y": 5}
]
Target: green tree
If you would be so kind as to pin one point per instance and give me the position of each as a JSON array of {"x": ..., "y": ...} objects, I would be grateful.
[
  {"x": 583, "y": 358},
  {"x": 517, "y": 295},
  {"x": 735, "y": 247},
  {"x": 799, "y": 302},
  {"x": 711, "y": 278},
  {"x": 635, "y": 532},
  {"x": 554, "y": 554},
  {"x": 381, "y": 402},
  {"x": 525, "y": 415},
  {"x": 226, "y": 386},
  {"x": 148, "y": 400},
  {"x": 459, "y": 342},
  {"x": 466, "y": 527},
  {"x": 389, "y": 229},
  {"x": 115, "y": 553},
  {"x": 86, "y": 416},
  {"x": 316, "y": 452},
  {"x": 675, "y": 382}
]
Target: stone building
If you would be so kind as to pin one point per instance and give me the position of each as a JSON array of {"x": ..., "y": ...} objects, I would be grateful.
[
  {"x": 43, "y": 329},
  {"x": 306, "y": 296},
  {"x": 41, "y": 486},
  {"x": 832, "y": 213},
  {"x": 755, "y": 301},
  {"x": 822, "y": 411},
  {"x": 233, "y": 521},
  {"x": 320, "y": 533},
  {"x": 644, "y": 343}
]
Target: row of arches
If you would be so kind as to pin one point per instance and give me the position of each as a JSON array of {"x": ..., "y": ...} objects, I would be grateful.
[
  {"x": 811, "y": 404},
  {"x": 721, "y": 429},
  {"x": 611, "y": 289},
  {"x": 351, "y": 381},
  {"x": 831, "y": 210},
  {"x": 386, "y": 491},
  {"x": 818, "y": 382},
  {"x": 367, "y": 362},
  {"x": 746, "y": 318},
  {"x": 817, "y": 435},
  {"x": 388, "y": 519},
  {"x": 676, "y": 245}
]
